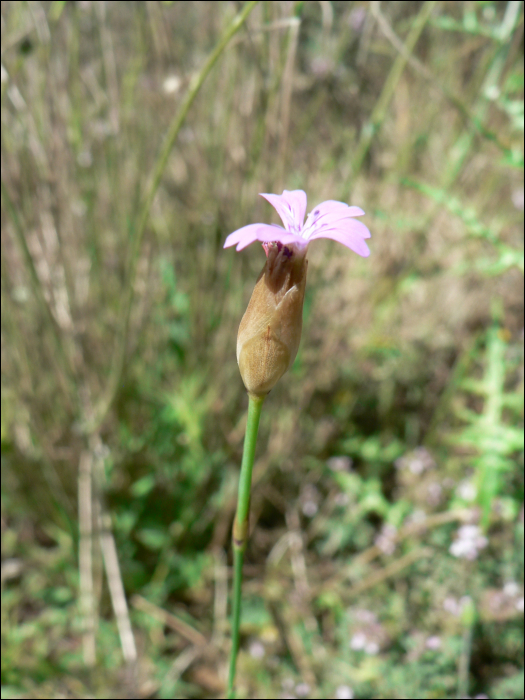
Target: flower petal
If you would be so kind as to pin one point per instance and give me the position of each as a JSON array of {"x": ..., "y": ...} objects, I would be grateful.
[
  {"x": 330, "y": 216},
  {"x": 291, "y": 207},
  {"x": 248, "y": 234},
  {"x": 276, "y": 233},
  {"x": 348, "y": 237},
  {"x": 331, "y": 206},
  {"x": 266, "y": 233},
  {"x": 339, "y": 224},
  {"x": 333, "y": 214}
]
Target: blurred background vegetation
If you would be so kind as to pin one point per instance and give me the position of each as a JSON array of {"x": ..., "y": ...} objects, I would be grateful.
[{"x": 386, "y": 557}]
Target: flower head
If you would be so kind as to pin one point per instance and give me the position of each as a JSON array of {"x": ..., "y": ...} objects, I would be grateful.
[
  {"x": 270, "y": 330},
  {"x": 330, "y": 219},
  {"x": 468, "y": 543}
]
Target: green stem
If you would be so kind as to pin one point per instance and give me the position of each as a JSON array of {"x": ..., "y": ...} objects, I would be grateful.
[
  {"x": 381, "y": 108},
  {"x": 468, "y": 618},
  {"x": 195, "y": 85},
  {"x": 62, "y": 361},
  {"x": 240, "y": 526}
]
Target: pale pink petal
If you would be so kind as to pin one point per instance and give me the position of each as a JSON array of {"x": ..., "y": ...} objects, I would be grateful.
[
  {"x": 248, "y": 234},
  {"x": 334, "y": 215},
  {"x": 338, "y": 222},
  {"x": 331, "y": 205},
  {"x": 297, "y": 201},
  {"x": 276, "y": 233},
  {"x": 291, "y": 207},
  {"x": 349, "y": 238}
]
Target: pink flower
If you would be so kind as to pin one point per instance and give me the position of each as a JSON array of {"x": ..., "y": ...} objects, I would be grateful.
[
  {"x": 270, "y": 330},
  {"x": 329, "y": 219}
]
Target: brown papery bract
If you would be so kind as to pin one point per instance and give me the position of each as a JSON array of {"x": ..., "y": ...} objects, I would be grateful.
[{"x": 270, "y": 329}]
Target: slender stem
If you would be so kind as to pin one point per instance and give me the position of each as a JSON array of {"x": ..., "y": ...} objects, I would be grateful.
[
  {"x": 238, "y": 559},
  {"x": 62, "y": 361},
  {"x": 195, "y": 85},
  {"x": 468, "y": 618},
  {"x": 240, "y": 526},
  {"x": 380, "y": 110}
]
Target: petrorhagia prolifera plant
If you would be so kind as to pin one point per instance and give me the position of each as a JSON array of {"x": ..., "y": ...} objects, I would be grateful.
[{"x": 270, "y": 330}]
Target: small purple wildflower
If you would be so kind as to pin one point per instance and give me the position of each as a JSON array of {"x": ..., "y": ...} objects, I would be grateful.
[
  {"x": 433, "y": 642},
  {"x": 344, "y": 692},
  {"x": 329, "y": 219},
  {"x": 386, "y": 539},
  {"x": 452, "y": 606},
  {"x": 339, "y": 464},
  {"x": 302, "y": 690},
  {"x": 257, "y": 650},
  {"x": 358, "y": 641},
  {"x": 468, "y": 542}
]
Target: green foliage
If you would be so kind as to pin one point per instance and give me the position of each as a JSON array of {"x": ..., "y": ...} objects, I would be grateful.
[
  {"x": 512, "y": 687},
  {"x": 495, "y": 441}
]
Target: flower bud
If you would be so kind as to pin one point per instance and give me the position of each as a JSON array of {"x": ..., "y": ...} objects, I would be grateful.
[{"x": 270, "y": 329}]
